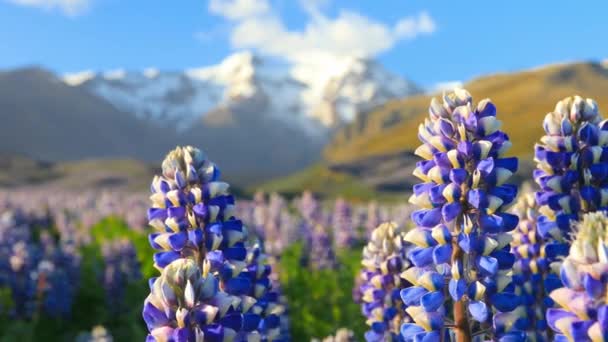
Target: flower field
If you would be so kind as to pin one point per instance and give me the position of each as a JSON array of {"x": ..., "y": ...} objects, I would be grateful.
[
  {"x": 75, "y": 261},
  {"x": 467, "y": 258}
]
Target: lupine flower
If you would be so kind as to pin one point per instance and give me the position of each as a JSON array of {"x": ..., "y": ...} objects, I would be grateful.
[
  {"x": 462, "y": 232},
  {"x": 572, "y": 172},
  {"x": 583, "y": 315},
  {"x": 310, "y": 208},
  {"x": 41, "y": 276},
  {"x": 373, "y": 218},
  {"x": 572, "y": 165},
  {"x": 532, "y": 273},
  {"x": 321, "y": 253},
  {"x": 260, "y": 214},
  {"x": 211, "y": 284},
  {"x": 121, "y": 268},
  {"x": 384, "y": 259},
  {"x": 342, "y": 224}
]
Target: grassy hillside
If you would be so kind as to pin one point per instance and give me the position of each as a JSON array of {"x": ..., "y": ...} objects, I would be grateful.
[
  {"x": 370, "y": 156},
  {"x": 127, "y": 174},
  {"x": 322, "y": 181},
  {"x": 522, "y": 98}
]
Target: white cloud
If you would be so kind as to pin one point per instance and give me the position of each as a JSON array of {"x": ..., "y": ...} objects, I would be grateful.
[
  {"x": 411, "y": 27},
  {"x": 68, "y": 7},
  {"x": 257, "y": 26},
  {"x": 237, "y": 9}
]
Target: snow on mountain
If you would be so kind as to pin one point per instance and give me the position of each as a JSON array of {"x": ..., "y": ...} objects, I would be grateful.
[
  {"x": 358, "y": 86},
  {"x": 311, "y": 98}
]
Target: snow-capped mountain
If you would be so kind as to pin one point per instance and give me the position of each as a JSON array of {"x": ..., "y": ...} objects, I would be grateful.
[{"x": 313, "y": 101}]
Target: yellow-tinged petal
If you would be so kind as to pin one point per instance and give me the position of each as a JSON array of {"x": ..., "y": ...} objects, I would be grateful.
[
  {"x": 435, "y": 175},
  {"x": 424, "y": 151},
  {"x": 595, "y": 333},
  {"x": 485, "y": 147},
  {"x": 453, "y": 157},
  {"x": 562, "y": 296},
  {"x": 502, "y": 176},
  {"x": 412, "y": 275},
  {"x": 420, "y": 175},
  {"x": 417, "y": 237}
]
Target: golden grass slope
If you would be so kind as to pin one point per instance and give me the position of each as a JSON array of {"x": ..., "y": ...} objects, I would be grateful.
[{"x": 522, "y": 98}]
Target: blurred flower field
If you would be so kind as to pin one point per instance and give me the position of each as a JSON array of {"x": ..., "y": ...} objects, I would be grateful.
[{"x": 75, "y": 265}]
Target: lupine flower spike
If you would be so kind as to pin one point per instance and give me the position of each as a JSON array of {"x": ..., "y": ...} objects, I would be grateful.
[
  {"x": 342, "y": 224},
  {"x": 572, "y": 173},
  {"x": 462, "y": 263},
  {"x": 572, "y": 166},
  {"x": 583, "y": 301},
  {"x": 209, "y": 288},
  {"x": 532, "y": 269},
  {"x": 383, "y": 262}
]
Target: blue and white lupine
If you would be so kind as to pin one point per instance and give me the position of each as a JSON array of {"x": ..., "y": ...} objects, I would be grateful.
[
  {"x": 321, "y": 251},
  {"x": 583, "y": 301},
  {"x": 572, "y": 173},
  {"x": 461, "y": 263},
  {"x": 41, "y": 276},
  {"x": 121, "y": 268},
  {"x": 309, "y": 208},
  {"x": 384, "y": 259},
  {"x": 572, "y": 166},
  {"x": 211, "y": 286},
  {"x": 532, "y": 269},
  {"x": 342, "y": 224},
  {"x": 373, "y": 218}
]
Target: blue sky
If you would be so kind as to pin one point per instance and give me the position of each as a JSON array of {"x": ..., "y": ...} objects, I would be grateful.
[{"x": 454, "y": 42}]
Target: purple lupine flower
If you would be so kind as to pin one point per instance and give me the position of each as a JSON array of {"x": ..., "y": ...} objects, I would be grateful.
[
  {"x": 384, "y": 259},
  {"x": 309, "y": 208},
  {"x": 208, "y": 287},
  {"x": 261, "y": 271},
  {"x": 373, "y": 218},
  {"x": 572, "y": 166},
  {"x": 583, "y": 301},
  {"x": 532, "y": 269},
  {"x": 342, "y": 225},
  {"x": 321, "y": 253},
  {"x": 42, "y": 275},
  {"x": 461, "y": 261},
  {"x": 572, "y": 174},
  {"x": 277, "y": 226},
  {"x": 121, "y": 268}
]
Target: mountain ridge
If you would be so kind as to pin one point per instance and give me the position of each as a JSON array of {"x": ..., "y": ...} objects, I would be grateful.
[
  {"x": 244, "y": 111},
  {"x": 376, "y": 148}
]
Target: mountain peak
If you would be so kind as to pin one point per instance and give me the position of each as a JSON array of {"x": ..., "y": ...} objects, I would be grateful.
[{"x": 320, "y": 98}]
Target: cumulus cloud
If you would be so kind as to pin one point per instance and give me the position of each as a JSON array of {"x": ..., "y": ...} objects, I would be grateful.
[
  {"x": 68, "y": 7},
  {"x": 256, "y": 25}
]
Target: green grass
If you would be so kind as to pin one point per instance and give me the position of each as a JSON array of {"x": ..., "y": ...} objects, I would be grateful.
[{"x": 320, "y": 302}]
